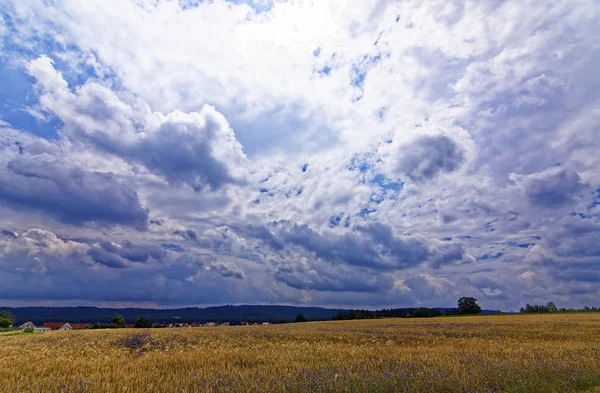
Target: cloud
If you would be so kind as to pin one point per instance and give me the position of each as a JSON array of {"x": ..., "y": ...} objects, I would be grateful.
[
  {"x": 10, "y": 234},
  {"x": 198, "y": 149},
  {"x": 430, "y": 156},
  {"x": 36, "y": 251},
  {"x": 226, "y": 269},
  {"x": 59, "y": 270},
  {"x": 373, "y": 246},
  {"x": 368, "y": 153},
  {"x": 360, "y": 260},
  {"x": 119, "y": 256},
  {"x": 321, "y": 277},
  {"x": 553, "y": 189},
  {"x": 54, "y": 186}
]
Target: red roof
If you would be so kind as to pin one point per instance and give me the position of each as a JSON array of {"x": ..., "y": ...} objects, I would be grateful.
[
  {"x": 79, "y": 325},
  {"x": 54, "y": 325}
]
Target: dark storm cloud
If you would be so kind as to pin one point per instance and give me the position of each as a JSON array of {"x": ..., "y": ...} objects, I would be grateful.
[
  {"x": 448, "y": 253},
  {"x": 39, "y": 265},
  {"x": 187, "y": 234},
  {"x": 321, "y": 277},
  {"x": 9, "y": 234},
  {"x": 69, "y": 193},
  {"x": 575, "y": 240},
  {"x": 373, "y": 246},
  {"x": 182, "y": 151},
  {"x": 118, "y": 256},
  {"x": 102, "y": 256},
  {"x": 429, "y": 156},
  {"x": 554, "y": 190}
]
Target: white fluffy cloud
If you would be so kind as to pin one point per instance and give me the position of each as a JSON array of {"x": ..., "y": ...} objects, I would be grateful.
[{"x": 330, "y": 152}]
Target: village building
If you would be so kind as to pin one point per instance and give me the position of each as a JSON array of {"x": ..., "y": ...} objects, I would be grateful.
[
  {"x": 58, "y": 325},
  {"x": 27, "y": 325}
]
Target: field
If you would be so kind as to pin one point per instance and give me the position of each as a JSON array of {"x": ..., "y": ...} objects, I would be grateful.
[{"x": 548, "y": 353}]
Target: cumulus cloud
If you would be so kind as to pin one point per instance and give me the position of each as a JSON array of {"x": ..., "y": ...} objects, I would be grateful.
[
  {"x": 41, "y": 264},
  {"x": 322, "y": 277},
  {"x": 36, "y": 251},
  {"x": 226, "y": 269},
  {"x": 387, "y": 153},
  {"x": 119, "y": 256},
  {"x": 554, "y": 189},
  {"x": 72, "y": 194},
  {"x": 429, "y": 156},
  {"x": 199, "y": 148},
  {"x": 373, "y": 246}
]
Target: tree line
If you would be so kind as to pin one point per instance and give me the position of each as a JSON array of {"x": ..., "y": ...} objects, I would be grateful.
[
  {"x": 466, "y": 306},
  {"x": 551, "y": 308}
]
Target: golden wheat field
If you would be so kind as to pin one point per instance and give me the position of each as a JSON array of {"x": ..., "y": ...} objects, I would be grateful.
[{"x": 550, "y": 353}]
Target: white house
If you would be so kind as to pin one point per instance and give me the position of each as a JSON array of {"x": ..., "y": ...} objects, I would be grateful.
[
  {"x": 58, "y": 325},
  {"x": 27, "y": 325},
  {"x": 66, "y": 326}
]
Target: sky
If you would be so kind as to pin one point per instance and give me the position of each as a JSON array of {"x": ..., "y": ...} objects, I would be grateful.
[{"x": 360, "y": 154}]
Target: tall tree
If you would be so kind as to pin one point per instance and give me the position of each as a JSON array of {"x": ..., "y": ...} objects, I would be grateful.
[
  {"x": 6, "y": 319},
  {"x": 468, "y": 305},
  {"x": 300, "y": 318},
  {"x": 118, "y": 321},
  {"x": 143, "y": 323}
]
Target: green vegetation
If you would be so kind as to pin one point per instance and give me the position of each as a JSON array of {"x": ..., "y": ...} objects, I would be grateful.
[
  {"x": 422, "y": 312},
  {"x": 551, "y": 308},
  {"x": 468, "y": 306},
  {"x": 6, "y": 319},
  {"x": 143, "y": 323},
  {"x": 300, "y": 318},
  {"x": 118, "y": 321}
]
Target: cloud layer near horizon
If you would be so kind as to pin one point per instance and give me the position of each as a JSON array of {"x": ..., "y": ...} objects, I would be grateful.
[{"x": 333, "y": 153}]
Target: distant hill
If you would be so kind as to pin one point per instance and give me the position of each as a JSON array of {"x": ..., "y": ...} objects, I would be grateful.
[{"x": 234, "y": 314}]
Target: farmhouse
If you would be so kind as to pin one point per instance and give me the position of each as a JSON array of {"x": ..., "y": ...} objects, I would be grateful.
[
  {"x": 27, "y": 325},
  {"x": 58, "y": 325}
]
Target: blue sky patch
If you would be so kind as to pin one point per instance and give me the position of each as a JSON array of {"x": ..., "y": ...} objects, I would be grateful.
[
  {"x": 16, "y": 96},
  {"x": 487, "y": 257}
]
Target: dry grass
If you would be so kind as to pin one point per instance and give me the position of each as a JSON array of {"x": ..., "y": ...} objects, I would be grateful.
[{"x": 551, "y": 353}]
